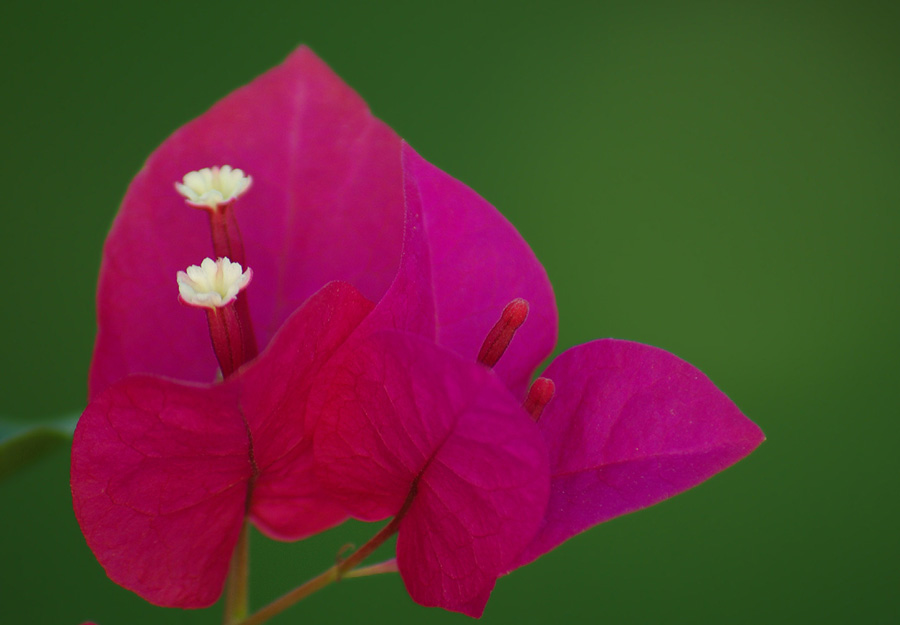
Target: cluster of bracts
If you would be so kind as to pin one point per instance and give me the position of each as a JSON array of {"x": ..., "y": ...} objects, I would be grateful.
[{"x": 379, "y": 365}]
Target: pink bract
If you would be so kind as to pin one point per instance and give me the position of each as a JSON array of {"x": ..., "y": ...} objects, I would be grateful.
[
  {"x": 412, "y": 429},
  {"x": 378, "y": 410},
  {"x": 164, "y": 473},
  {"x": 462, "y": 263},
  {"x": 629, "y": 424},
  {"x": 326, "y": 204},
  {"x": 478, "y": 262},
  {"x": 404, "y": 418}
]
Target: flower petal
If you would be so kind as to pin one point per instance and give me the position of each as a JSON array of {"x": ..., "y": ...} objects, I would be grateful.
[
  {"x": 160, "y": 473},
  {"x": 405, "y": 418},
  {"x": 629, "y": 426},
  {"x": 288, "y": 501},
  {"x": 161, "y": 470},
  {"x": 463, "y": 263},
  {"x": 409, "y": 303},
  {"x": 326, "y": 203}
]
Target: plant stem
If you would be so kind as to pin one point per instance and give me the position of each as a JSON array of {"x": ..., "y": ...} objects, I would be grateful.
[
  {"x": 388, "y": 566},
  {"x": 333, "y": 574},
  {"x": 236, "y": 588},
  {"x": 374, "y": 543},
  {"x": 287, "y": 600}
]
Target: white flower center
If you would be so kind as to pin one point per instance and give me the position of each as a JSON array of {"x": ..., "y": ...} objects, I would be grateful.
[
  {"x": 213, "y": 284},
  {"x": 213, "y": 186}
]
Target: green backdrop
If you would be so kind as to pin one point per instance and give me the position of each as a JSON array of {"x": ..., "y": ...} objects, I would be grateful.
[{"x": 716, "y": 178}]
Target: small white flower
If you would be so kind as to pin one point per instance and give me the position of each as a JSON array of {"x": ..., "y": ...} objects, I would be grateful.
[
  {"x": 213, "y": 284},
  {"x": 213, "y": 186}
]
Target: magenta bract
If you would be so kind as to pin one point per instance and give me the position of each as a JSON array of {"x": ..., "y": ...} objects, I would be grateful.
[
  {"x": 478, "y": 263},
  {"x": 408, "y": 428},
  {"x": 326, "y": 204},
  {"x": 405, "y": 411},
  {"x": 462, "y": 263},
  {"x": 164, "y": 472},
  {"x": 375, "y": 410},
  {"x": 628, "y": 425}
]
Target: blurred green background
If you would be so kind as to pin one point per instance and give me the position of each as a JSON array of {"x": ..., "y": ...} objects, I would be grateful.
[{"x": 716, "y": 178}]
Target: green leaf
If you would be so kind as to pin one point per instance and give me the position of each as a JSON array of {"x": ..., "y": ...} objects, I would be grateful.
[{"x": 24, "y": 442}]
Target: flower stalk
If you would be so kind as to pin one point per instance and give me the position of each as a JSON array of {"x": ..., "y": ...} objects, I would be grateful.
[
  {"x": 227, "y": 334},
  {"x": 227, "y": 243},
  {"x": 226, "y": 236},
  {"x": 237, "y": 585},
  {"x": 342, "y": 569}
]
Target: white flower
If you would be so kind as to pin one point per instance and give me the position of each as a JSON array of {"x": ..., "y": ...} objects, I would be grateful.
[
  {"x": 213, "y": 284},
  {"x": 213, "y": 186}
]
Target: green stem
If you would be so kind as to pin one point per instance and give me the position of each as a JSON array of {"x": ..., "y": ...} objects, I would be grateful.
[
  {"x": 388, "y": 566},
  {"x": 333, "y": 574},
  {"x": 285, "y": 601},
  {"x": 237, "y": 585},
  {"x": 374, "y": 543}
]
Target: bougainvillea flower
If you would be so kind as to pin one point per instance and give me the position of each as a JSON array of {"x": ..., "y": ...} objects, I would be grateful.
[
  {"x": 156, "y": 461},
  {"x": 625, "y": 425},
  {"x": 163, "y": 472}
]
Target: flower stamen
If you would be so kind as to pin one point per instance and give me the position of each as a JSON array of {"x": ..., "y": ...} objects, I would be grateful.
[
  {"x": 214, "y": 285},
  {"x": 213, "y": 187},
  {"x": 216, "y": 189}
]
